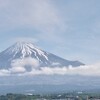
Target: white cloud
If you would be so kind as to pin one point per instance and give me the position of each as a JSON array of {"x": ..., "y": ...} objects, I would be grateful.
[
  {"x": 19, "y": 68},
  {"x": 87, "y": 70},
  {"x": 4, "y": 72},
  {"x": 25, "y": 61},
  {"x": 23, "y": 65}
]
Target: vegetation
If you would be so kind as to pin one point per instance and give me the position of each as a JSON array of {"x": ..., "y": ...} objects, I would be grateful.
[{"x": 63, "y": 96}]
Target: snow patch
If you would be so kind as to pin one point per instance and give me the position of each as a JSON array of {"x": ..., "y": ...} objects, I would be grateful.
[
  {"x": 55, "y": 63},
  {"x": 26, "y": 49}
]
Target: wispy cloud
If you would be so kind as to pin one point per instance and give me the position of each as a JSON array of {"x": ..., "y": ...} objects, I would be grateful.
[
  {"x": 27, "y": 39},
  {"x": 40, "y": 15}
]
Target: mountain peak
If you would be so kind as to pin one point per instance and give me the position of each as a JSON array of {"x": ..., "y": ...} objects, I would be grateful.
[
  {"x": 21, "y": 50},
  {"x": 23, "y": 44},
  {"x": 25, "y": 49}
]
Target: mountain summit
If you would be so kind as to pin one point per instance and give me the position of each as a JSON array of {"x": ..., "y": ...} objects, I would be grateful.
[{"x": 22, "y": 50}]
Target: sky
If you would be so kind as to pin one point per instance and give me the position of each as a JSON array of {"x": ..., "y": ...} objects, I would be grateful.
[{"x": 67, "y": 28}]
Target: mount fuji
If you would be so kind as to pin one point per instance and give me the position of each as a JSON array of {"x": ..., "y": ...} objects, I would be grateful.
[
  {"x": 25, "y": 68},
  {"x": 22, "y": 50}
]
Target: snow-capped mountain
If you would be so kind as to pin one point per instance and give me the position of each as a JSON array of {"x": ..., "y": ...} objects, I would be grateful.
[{"x": 22, "y": 50}]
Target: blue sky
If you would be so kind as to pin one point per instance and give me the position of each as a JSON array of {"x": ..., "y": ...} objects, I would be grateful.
[{"x": 68, "y": 28}]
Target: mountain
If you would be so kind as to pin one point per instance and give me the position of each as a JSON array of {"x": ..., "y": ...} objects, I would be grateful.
[{"x": 22, "y": 50}]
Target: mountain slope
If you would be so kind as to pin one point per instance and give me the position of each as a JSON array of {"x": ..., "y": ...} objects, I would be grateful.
[{"x": 21, "y": 50}]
